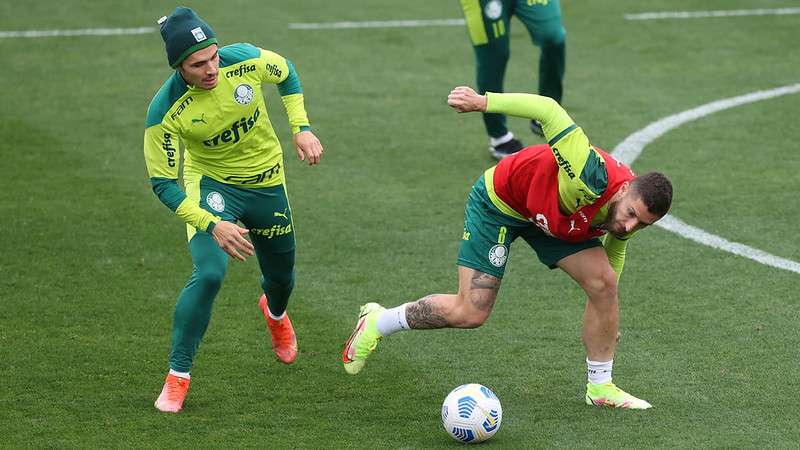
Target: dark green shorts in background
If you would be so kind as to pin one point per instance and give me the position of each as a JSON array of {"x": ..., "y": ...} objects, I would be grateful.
[{"x": 488, "y": 234}]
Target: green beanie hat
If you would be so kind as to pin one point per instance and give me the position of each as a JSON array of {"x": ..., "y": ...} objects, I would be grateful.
[{"x": 184, "y": 33}]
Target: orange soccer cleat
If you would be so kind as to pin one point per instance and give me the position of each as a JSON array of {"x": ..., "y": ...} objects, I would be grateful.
[
  {"x": 173, "y": 394},
  {"x": 284, "y": 341}
]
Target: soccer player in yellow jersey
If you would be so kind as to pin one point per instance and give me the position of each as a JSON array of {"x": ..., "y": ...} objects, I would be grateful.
[
  {"x": 232, "y": 172},
  {"x": 559, "y": 198},
  {"x": 489, "y": 28}
]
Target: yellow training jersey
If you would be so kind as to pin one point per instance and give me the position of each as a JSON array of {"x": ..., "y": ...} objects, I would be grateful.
[{"x": 226, "y": 131}]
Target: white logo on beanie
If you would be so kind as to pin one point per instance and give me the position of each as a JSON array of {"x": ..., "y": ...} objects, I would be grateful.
[{"x": 199, "y": 36}]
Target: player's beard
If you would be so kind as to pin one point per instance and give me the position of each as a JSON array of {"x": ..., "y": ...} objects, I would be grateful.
[{"x": 612, "y": 214}]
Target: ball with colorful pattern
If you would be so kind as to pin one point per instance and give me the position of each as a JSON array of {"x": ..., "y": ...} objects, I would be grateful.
[{"x": 471, "y": 413}]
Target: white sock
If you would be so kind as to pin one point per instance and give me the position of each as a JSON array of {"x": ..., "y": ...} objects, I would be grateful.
[
  {"x": 180, "y": 374},
  {"x": 494, "y": 142},
  {"x": 392, "y": 320},
  {"x": 273, "y": 316},
  {"x": 599, "y": 372}
]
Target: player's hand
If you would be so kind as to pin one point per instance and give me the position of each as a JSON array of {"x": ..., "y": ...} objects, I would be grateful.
[
  {"x": 230, "y": 238},
  {"x": 308, "y": 147},
  {"x": 465, "y": 99}
]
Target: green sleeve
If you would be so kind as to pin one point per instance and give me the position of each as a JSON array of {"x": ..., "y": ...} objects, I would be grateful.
[
  {"x": 284, "y": 75},
  {"x": 173, "y": 197},
  {"x": 290, "y": 85},
  {"x": 168, "y": 191},
  {"x": 293, "y": 100},
  {"x": 162, "y": 160}
]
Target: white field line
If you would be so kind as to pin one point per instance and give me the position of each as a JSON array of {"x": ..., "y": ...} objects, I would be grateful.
[
  {"x": 460, "y": 22},
  {"x": 632, "y": 146},
  {"x": 378, "y": 24},
  {"x": 672, "y": 223},
  {"x": 704, "y": 14},
  {"x": 398, "y": 23},
  {"x": 79, "y": 32}
]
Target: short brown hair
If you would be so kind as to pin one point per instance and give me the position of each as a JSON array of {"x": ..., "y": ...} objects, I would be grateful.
[{"x": 655, "y": 190}]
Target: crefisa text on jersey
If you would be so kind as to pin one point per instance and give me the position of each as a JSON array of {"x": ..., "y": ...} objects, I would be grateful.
[
  {"x": 273, "y": 70},
  {"x": 241, "y": 70},
  {"x": 169, "y": 149},
  {"x": 563, "y": 163},
  {"x": 232, "y": 134}
]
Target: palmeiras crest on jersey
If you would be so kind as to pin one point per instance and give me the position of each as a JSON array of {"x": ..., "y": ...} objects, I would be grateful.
[
  {"x": 498, "y": 255},
  {"x": 243, "y": 94},
  {"x": 493, "y": 10},
  {"x": 215, "y": 201}
]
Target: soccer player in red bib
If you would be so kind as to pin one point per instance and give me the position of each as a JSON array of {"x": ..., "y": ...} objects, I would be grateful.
[{"x": 560, "y": 198}]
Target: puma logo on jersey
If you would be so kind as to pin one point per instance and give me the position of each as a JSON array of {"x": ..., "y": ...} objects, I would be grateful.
[
  {"x": 201, "y": 119},
  {"x": 572, "y": 226}
]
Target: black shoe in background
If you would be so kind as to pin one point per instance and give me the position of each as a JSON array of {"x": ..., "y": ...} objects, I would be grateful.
[
  {"x": 506, "y": 149},
  {"x": 536, "y": 128}
]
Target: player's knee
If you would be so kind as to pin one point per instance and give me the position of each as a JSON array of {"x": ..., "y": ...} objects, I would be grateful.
[
  {"x": 601, "y": 285},
  {"x": 471, "y": 312},
  {"x": 551, "y": 36},
  {"x": 210, "y": 278},
  {"x": 468, "y": 318},
  {"x": 490, "y": 56},
  {"x": 474, "y": 320}
]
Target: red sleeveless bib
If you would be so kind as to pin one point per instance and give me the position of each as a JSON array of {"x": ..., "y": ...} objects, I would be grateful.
[{"x": 528, "y": 183}]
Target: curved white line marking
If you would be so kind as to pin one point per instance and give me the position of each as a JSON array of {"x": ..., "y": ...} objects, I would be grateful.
[{"x": 630, "y": 149}]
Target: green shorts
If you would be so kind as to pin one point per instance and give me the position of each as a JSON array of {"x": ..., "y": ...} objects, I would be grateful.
[
  {"x": 488, "y": 234},
  {"x": 264, "y": 211},
  {"x": 490, "y": 20}
]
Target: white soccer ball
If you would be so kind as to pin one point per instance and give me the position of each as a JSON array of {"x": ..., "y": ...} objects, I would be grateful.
[{"x": 471, "y": 413}]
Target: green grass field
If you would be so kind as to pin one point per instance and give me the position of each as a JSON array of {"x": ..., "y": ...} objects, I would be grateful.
[{"x": 92, "y": 262}]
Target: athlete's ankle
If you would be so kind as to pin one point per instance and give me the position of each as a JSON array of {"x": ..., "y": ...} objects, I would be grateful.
[{"x": 392, "y": 320}]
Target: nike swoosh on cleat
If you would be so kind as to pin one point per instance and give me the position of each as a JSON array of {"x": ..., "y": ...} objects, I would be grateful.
[{"x": 348, "y": 345}]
